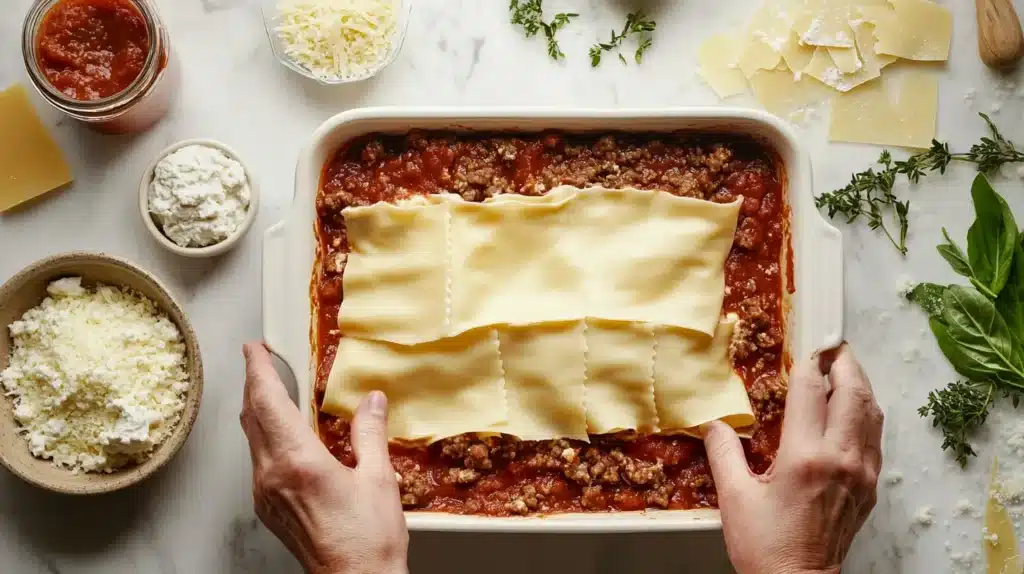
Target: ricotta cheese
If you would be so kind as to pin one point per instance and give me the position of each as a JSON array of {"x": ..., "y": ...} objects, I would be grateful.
[
  {"x": 199, "y": 196},
  {"x": 98, "y": 376},
  {"x": 337, "y": 39}
]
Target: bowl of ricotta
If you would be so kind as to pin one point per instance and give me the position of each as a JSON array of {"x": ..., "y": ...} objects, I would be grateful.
[
  {"x": 197, "y": 198},
  {"x": 100, "y": 371}
]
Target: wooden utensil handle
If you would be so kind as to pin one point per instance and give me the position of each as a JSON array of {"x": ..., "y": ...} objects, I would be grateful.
[{"x": 1000, "y": 40}]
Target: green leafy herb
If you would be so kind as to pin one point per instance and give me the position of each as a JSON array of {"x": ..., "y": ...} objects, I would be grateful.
[
  {"x": 636, "y": 24},
  {"x": 1010, "y": 302},
  {"x": 929, "y": 297},
  {"x": 991, "y": 240},
  {"x": 959, "y": 410},
  {"x": 976, "y": 339},
  {"x": 530, "y": 15},
  {"x": 953, "y": 255},
  {"x": 870, "y": 193},
  {"x": 979, "y": 330}
]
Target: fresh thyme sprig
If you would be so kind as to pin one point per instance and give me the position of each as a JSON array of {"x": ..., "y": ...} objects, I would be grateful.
[
  {"x": 530, "y": 15},
  {"x": 636, "y": 23},
  {"x": 958, "y": 411},
  {"x": 559, "y": 22},
  {"x": 870, "y": 193}
]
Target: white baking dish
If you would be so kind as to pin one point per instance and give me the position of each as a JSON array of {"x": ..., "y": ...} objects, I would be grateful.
[{"x": 815, "y": 314}]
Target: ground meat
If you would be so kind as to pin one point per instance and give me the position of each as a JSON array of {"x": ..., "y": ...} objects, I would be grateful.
[
  {"x": 473, "y": 452},
  {"x": 640, "y": 473},
  {"x": 749, "y": 234},
  {"x": 593, "y": 498},
  {"x": 463, "y": 475},
  {"x": 414, "y": 485},
  {"x": 661, "y": 495},
  {"x": 768, "y": 396}
]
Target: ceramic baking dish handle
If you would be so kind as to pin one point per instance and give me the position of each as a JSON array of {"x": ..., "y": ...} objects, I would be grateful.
[
  {"x": 277, "y": 300},
  {"x": 827, "y": 293}
]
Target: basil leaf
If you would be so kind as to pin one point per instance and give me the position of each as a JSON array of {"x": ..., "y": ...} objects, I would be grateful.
[
  {"x": 1010, "y": 302},
  {"x": 951, "y": 252},
  {"x": 991, "y": 240},
  {"x": 976, "y": 339},
  {"x": 929, "y": 297}
]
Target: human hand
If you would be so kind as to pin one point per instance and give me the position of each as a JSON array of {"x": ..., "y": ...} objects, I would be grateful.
[
  {"x": 801, "y": 516},
  {"x": 334, "y": 519}
]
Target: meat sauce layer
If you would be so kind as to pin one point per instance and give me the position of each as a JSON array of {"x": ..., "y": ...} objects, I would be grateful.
[{"x": 504, "y": 476}]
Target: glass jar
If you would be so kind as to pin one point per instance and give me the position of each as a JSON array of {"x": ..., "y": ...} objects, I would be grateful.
[{"x": 143, "y": 103}]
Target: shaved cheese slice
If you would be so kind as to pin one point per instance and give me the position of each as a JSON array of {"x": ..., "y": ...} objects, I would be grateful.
[
  {"x": 915, "y": 30},
  {"x": 845, "y": 59},
  {"x": 694, "y": 382},
  {"x": 867, "y": 114},
  {"x": 778, "y": 93},
  {"x": 825, "y": 70},
  {"x": 718, "y": 59},
  {"x": 824, "y": 22},
  {"x": 31, "y": 164},
  {"x": 435, "y": 390},
  {"x": 757, "y": 55},
  {"x": 620, "y": 377},
  {"x": 796, "y": 55}
]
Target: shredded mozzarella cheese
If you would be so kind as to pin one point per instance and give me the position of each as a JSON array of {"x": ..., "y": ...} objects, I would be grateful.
[{"x": 337, "y": 39}]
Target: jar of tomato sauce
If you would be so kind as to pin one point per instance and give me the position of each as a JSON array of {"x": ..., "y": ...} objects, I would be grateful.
[{"x": 107, "y": 63}]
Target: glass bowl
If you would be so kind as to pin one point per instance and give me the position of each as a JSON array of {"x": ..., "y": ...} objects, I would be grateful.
[{"x": 270, "y": 16}]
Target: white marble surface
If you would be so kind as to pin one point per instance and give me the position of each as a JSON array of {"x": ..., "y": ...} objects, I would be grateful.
[{"x": 196, "y": 517}]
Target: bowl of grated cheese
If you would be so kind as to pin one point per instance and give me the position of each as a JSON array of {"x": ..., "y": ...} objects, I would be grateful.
[
  {"x": 336, "y": 41},
  {"x": 100, "y": 373}
]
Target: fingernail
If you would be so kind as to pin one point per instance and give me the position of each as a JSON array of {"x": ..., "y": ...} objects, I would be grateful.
[{"x": 378, "y": 403}]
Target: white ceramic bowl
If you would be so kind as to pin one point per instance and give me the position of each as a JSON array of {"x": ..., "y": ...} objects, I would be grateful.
[
  {"x": 269, "y": 8},
  {"x": 27, "y": 289},
  {"x": 211, "y": 250}
]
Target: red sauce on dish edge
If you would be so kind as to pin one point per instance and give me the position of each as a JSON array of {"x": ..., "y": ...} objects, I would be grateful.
[
  {"x": 507, "y": 476},
  {"x": 92, "y": 49}
]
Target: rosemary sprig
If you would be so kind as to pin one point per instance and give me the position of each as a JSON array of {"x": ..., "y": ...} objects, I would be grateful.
[
  {"x": 529, "y": 14},
  {"x": 636, "y": 24},
  {"x": 870, "y": 193}
]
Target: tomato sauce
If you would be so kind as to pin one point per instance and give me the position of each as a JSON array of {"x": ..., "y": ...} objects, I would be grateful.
[
  {"x": 92, "y": 49},
  {"x": 504, "y": 476}
]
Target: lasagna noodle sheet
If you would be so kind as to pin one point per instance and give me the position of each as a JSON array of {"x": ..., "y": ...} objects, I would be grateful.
[
  {"x": 544, "y": 381},
  {"x": 435, "y": 390},
  {"x": 620, "y": 377},
  {"x": 694, "y": 382},
  {"x": 396, "y": 277}
]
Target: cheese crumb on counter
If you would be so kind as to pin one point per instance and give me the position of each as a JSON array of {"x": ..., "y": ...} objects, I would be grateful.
[
  {"x": 98, "y": 376},
  {"x": 925, "y": 516},
  {"x": 199, "y": 196}
]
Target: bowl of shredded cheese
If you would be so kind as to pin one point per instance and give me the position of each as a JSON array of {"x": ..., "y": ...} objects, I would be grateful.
[
  {"x": 336, "y": 41},
  {"x": 100, "y": 373}
]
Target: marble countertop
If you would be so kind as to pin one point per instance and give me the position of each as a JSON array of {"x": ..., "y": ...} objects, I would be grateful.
[{"x": 197, "y": 516}]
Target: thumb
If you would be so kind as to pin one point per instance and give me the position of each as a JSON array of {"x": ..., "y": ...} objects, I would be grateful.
[
  {"x": 728, "y": 463},
  {"x": 370, "y": 434}
]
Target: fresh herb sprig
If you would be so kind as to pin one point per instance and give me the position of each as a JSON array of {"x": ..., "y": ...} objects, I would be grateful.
[
  {"x": 637, "y": 24},
  {"x": 980, "y": 329},
  {"x": 870, "y": 193},
  {"x": 529, "y": 14}
]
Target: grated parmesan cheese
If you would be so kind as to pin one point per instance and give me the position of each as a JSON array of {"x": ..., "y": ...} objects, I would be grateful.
[
  {"x": 98, "y": 376},
  {"x": 337, "y": 39}
]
